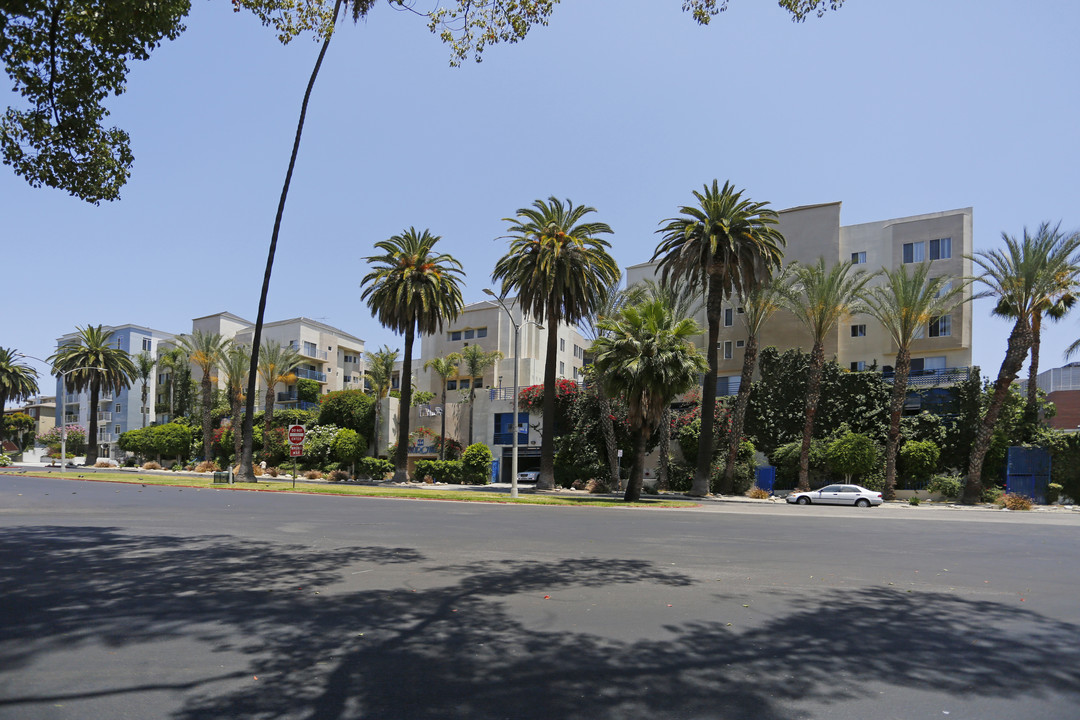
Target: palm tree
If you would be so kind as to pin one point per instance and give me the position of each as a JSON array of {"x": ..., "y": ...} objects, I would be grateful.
[
  {"x": 560, "y": 271},
  {"x": 725, "y": 245},
  {"x": 380, "y": 375},
  {"x": 91, "y": 362},
  {"x": 445, "y": 368},
  {"x": 144, "y": 370},
  {"x": 18, "y": 381},
  {"x": 411, "y": 289},
  {"x": 904, "y": 304},
  {"x": 819, "y": 298},
  {"x": 1020, "y": 277},
  {"x": 759, "y": 305},
  {"x": 172, "y": 362},
  {"x": 684, "y": 302},
  {"x": 235, "y": 364},
  {"x": 476, "y": 361},
  {"x": 1058, "y": 296},
  {"x": 205, "y": 350},
  {"x": 645, "y": 355},
  {"x": 276, "y": 365}
]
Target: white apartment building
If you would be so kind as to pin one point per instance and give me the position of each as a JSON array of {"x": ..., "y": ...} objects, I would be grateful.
[{"x": 944, "y": 239}]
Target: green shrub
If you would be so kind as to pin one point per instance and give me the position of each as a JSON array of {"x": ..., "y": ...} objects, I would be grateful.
[
  {"x": 447, "y": 471},
  {"x": 992, "y": 493},
  {"x": 852, "y": 454},
  {"x": 1053, "y": 493},
  {"x": 5, "y": 461},
  {"x": 680, "y": 477},
  {"x": 476, "y": 462},
  {"x": 874, "y": 480},
  {"x": 919, "y": 458},
  {"x": 786, "y": 460},
  {"x": 948, "y": 486},
  {"x": 914, "y": 500},
  {"x": 375, "y": 468}
]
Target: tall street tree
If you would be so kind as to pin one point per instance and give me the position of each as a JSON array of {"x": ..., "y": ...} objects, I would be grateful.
[
  {"x": 905, "y": 303},
  {"x": 173, "y": 362},
  {"x": 475, "y": 361},
  {"x": 144, "y": 370},
  {"x": 205, "y": 350},
  {"x": 379, "y": 375},
  {"x": 820, "y": 297},
  {"x": 92, "y": 362},
  {"x": 646, "y": 356},
  {"x": 18, "y": 381},
  {"x": 560, "y": 270},
  {"x": 411, "y": 289},
  {"x": 277, "y": 364},
  {"x": 1021, "y": 276},
  {"x": 235, "y": 364},
  {"x": 725, "y": 245},
  {"x": 445, "y": 368}
]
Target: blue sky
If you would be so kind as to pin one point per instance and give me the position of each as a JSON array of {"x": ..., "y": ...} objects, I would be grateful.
[{"x": 893, "y": 108}]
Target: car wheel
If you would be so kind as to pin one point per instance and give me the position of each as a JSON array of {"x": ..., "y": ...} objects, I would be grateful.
[
  {"x": 803, "y": 500},
  {"x": 862, "y": 502}
]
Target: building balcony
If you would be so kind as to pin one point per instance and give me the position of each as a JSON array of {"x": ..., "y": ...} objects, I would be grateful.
[
  {"x": 317, "y": 354},
  {"x": 286, "y": 397},
  {"x": 933, "y": 378},
  {"x": 507, "y": 438},
  {"x": 503, "y": 393},
  {"x": 106, "y": 437},
  {"x": 104, "y": 417},
  {"x": 311, "y": 375},
  {"x": 71, "y": 419},
  {"x": 71, "y": 399}
]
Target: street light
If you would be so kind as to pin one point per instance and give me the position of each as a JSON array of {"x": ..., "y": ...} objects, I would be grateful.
[
  {"x": 513, "y": 406},
  {"x": 63, "y": 420}
]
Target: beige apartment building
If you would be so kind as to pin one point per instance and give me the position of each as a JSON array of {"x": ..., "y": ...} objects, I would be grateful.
[{"x": 944, "y": 239}]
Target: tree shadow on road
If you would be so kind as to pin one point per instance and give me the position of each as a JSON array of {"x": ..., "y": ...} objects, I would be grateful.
[{"x": 458, "y": 650}]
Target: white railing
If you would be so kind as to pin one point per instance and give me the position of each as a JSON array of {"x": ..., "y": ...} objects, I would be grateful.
[{"x": 104, "y": 417}]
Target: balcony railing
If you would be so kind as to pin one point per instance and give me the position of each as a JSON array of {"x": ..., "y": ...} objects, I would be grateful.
[
  {"x": 71, "y": 419},
  {"x": 286, "y": 397},
  {"x": 308, "y": 352},
  {"x": 311, "y": 375},
  {"x": 503, "y": 393},
  {"x": 930, "y": 378},
  {"x": 507, "y": 438},
  {"x": 71, "y": 399},
  {"x": 106, "y": 437},
  {"x": 104, "y": 417}
]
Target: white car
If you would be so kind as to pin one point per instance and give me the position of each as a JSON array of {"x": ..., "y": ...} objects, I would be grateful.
[
  {"x": 837, "y": 495},
  {"x": 529, "y": 476}
]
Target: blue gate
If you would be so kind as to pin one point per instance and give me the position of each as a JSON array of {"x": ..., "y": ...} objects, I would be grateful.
[
  {"x": 766, "y": 478},
  {"x": 1027, "y": 472},
  {"x": 495, "y": 471}
]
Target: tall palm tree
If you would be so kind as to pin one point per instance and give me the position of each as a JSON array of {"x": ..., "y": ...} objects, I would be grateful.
[
  {"x": 172, "y": 362},
  {"x": 1058, "y": 296},
  {"x": 759, "y": 305},
  {"x": 92, "y": 362},
  {"x": 820, "y": 297},
  {"x": 235, "y": 364},
  {"x": 1021, "y": 276},
  {"x": 475, "y": 361},
  {"x": 905, "y": 303},
  {"x": 445, "y": 368},
  {"x": 645, "y": 355},
  {"x": 276, "y": 365},
  {"x": 684, "y": 302},
  {"x": 411, "y": 289},
  {"x": 724, "y": 246},
  {"x": 206, "y": 350},
  {"x": 560, "y": 270},
  {"x": 144, "y": 370},
  {"x": 380, "y": 375},
  {"x": 615, "y": 298},
  {"x": 18, "y": 381}
]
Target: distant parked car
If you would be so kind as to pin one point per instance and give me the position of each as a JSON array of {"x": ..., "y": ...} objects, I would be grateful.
[
  {"x": 837, "y": 495},
  {"x": 529, "y": 476}
]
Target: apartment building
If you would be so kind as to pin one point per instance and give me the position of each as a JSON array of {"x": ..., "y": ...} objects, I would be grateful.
[
  {"x": 944, "y": 239},
  {"x": 1062, "y": 387},
  {"x": 122, "y": 411}
]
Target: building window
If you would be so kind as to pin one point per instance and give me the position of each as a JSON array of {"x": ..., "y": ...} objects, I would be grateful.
[
  {"x": 941, "y": 249},
  {"x": 481, "y": 332},
  {"x": 858, "y": 366},
  {"x": 729, "y": 317},
  {"x": 562, "y": 368},
  {"x": 914, "y": 252},
  {"x": 470, "y": 334},
  {"x": 940, "y": 327},
  {"x": 562, "y": 344},
  {"x": 116, "y": 429},
  {"x": 463, "y": 383},
  {"x": 146, "y": 344},
  {"x": 858, "y": 258},
  {"x": 740, "y": 343},
  {"x": 858, "y": 331},
  {"x": 451, "y": 384},
  {"x": 945, "y": 287},
  {"x": 117, "y": 407},
  {"x": 727, "y": 349},
  {"x": 740, "y": 311},
  {"x": 311, "y": 349},
  {"x": 455, "y": 335}
]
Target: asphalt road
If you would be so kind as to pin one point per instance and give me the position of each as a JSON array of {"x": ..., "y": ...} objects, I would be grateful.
[{"x": 122, "y": 601}]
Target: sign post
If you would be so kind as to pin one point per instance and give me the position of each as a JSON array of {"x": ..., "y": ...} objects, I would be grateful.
[{"x": 296, "y": 446}]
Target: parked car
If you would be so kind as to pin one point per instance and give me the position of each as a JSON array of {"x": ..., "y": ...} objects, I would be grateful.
[
  {"x": 529, "y": 476},
  {"x": 837, "y": 495}
]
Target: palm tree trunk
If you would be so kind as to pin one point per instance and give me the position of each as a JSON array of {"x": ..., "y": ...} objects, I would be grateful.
[
  {"x": 401, "y": 457},
  {"x": 662, "y": 468},
  {"x": 1019, "y": 342},
  {"x": 375, "y": 430},
  {"x": 637, "y": 469},
  {"x": 896, "y": 411},
  {"x": 703, "y": 472},
  {"x": 1033, "y": 367},
  {"x": 145, "y": 392},
  {"x": 92, "y": 432},
  {"x": 246, "y": 471},
  {"x": 442, "y": 430},
  {"x": 546, "y": 480},
  {"x": 472, "y": 398},
  {"x": 238, "y": 438},
  {"x": 741, "y": 401},
  {"x": 813, "y": 394},
  {"x": 607, "y": 428},
  {"x": 206, "y": 414},
  {"x": 268, "y": 417}
]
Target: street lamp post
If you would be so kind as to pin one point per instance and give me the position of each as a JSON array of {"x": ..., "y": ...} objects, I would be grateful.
[{"x": 514, "y": 401}]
